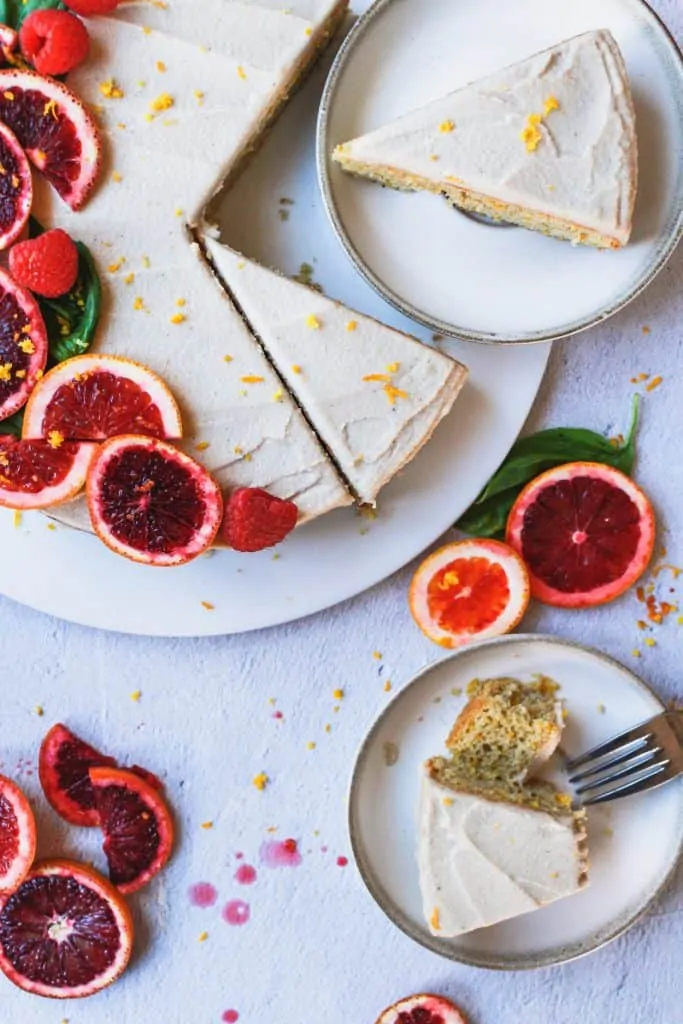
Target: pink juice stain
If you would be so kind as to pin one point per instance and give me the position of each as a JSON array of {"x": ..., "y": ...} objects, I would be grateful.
[
  {"x": 342, "y": 862},
  {"x": 202, "y": 894},
  {"x": 236, "y": 912},
  {"x": 230, "y": 1017},
  {"x": 280, "y": 854},
  {"x": 245, "y": 874}
]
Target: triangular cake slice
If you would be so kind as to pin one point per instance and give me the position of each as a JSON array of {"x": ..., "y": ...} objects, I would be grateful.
[
  {"x": 493, "y": 845},
  {"x": 548, "y": 144},
  {"x": 372, "y": 394}
]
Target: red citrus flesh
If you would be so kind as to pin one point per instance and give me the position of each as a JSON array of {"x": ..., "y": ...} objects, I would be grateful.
[
  {"x": 17, "y": 836},
  {"x": 137, "y": 826},
  {"x": 16, "y": 188},
  {"x": 36, "y": 475},
  {"x": 56, "y": 131},
  {"x": 94, "y": 397},
  {"x": 152, "y": 503},
  {"x": 65, "y": 933},
  {"x": 23, "y": 345},
  {"x": 586, "y": 533},
  {"x": 63, "y": 769},
  {"x": 473, "y": 589},
  {"x": 422, "y": 1009}
]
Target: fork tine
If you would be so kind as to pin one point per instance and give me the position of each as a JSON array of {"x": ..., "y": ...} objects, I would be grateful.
[
  {"x": 631, "y": 767},
  {"x": 631, "y": 750},
  {"x": 641, "y": 732},
  {"x": 654, "y": 776}
]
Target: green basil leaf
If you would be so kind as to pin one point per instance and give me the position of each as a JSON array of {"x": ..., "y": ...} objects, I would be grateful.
[
  {"x": 13, "y": 424},
  {"x": 533, "y": 455}
]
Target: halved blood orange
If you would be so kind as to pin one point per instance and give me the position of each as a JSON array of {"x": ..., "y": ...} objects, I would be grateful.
[
  {"x": 586, "y": 533},
  {"x": 65, "y": 933},
  {"x": 94, "y": 397},
  {"x": 17, "y": 836},
  {"x": 16, "y": 188},
  {"x": 40, "y": 474},
  {"x": 422, "y": 1009},
  {"x": 137, "y": 825},
  {"x": 58, "y": 134},
  {"x": 470, "y": 590},
  {"x": 63, "y": 766},
  {"x": 152, "y": 503},
  {"x": 23, "y": 345}
]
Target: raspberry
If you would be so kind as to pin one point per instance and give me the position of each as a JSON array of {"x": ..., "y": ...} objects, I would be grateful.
[
  {"x": 90, "y": 7},
  {"x": 255, "y": 520},
  {"x": 47, "y": 265},
  {"x": 54, "y": 41}
]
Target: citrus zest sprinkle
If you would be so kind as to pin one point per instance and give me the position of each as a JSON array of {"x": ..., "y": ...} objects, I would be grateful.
[
  {"x": 252, "y": 379},
  {"x": 260, "y": 781},
  {"x": 313, "y": 322}
]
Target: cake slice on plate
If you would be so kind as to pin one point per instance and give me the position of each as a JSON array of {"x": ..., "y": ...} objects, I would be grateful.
[
  {"x": 492, "y": 844},
  {"x": 372, "y": 394},
  {"x": 548, "y": 144}
]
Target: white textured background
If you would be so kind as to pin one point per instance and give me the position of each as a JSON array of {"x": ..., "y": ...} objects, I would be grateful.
[{"x": 316, "y": 948}]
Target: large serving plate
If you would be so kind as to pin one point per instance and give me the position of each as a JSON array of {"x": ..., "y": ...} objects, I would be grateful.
[
  {"x": 74, "y": 576},
  {"x": 634, "y": 843},
  {"x": 446, "y": 270}
]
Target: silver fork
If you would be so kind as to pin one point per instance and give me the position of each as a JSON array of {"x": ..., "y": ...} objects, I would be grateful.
[{"x": 639, "y": 759}]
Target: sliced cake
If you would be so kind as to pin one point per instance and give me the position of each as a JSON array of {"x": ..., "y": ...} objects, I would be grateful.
[
  {"x": 373, "y": 395},
  {"x": 492, "y": 846},
  {"x": 548, "y": 144}
]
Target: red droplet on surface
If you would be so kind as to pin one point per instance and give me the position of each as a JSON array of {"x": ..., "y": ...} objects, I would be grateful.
[
  {"x": 285, "y": 854},
  {"x": 245, "y": 875},
  {"x": 239, "y": 856},
  {"x": 230, "y": 1017},
  {"x": 278, "y": 715},
  {"x": 342, "y": 861},
  {"x": 203, "y": 894},
  {"x": 236, "y": 912}
]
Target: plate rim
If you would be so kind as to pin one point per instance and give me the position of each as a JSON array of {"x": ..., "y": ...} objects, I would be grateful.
[
  {"x": 323, "y": 163},
  {"x": 396, "y": 916}
]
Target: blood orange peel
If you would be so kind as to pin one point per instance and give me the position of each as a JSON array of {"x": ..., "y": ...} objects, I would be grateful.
[
  {"x": 16, "y": 188},
  {"x": 41, "y": 474},
  {"x": 422, "y": 1009},
  {"x": 66, "y": 933},
  {"x": 95, "y": 397},
  {"x": 586, "y": 533},
  {"x": 58, "y": 134},
  {"x": 17, "y": 836},
  {"x": 152, "y": 503},
  {"x": 137, "y": 825},
  {"x": 23, "y": 345},
  {"x": 469, "y": 590}
]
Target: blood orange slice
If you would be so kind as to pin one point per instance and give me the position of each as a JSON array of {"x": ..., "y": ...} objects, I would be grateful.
[
  {"x": 40, "y": 474},
  {"x": 23, "y": 344},
  {"x": 471, "y": 590},
  {"x": 93, "y": 398},
  {"x": 137, "y": 825},
  {"x": 63, "y": 769},
  {"x": 17, "y": 836},
  {"x": 152, "y": 503},
  {"x": 586, "y": 533},
  {"x": 422, "y": 1009},
  {"x": 65, "y": 933},
  {"x": 56, "y": 131},
  {"x": 16, "y": 188}
]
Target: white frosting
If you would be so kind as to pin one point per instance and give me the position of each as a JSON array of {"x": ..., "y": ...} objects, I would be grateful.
[
  {"x": 324, "y": 364},
  {"x": 483, "y": 862},
  {"x": 168, "y": 167},
  {"x": 584, "y": 168}
]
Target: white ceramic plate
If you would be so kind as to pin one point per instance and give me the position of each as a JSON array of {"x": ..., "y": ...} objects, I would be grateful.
[
  {"x": 634, "y": 843},
  {"x": 439, "y": 266},
  {"x": 75, "y": 577}
]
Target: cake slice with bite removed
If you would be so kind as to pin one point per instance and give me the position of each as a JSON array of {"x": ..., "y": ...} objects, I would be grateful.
[
  {"x": 493, "y": 845},
  {"x": 548, "y": 144},
  {"x": 373, "y": 395}
]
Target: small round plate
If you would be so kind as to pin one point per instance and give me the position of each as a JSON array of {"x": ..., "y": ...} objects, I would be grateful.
[
  {"x": 444, "y": 269},
  {"x": 634, "y": 843}
]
